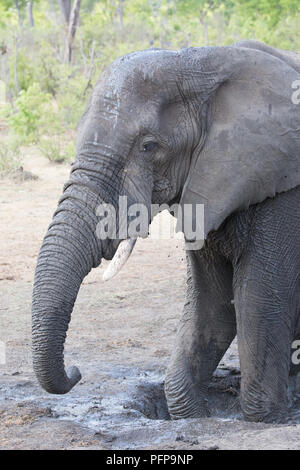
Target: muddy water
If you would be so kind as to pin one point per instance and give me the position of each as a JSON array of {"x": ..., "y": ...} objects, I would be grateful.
[{"x": 128, "y": 409}]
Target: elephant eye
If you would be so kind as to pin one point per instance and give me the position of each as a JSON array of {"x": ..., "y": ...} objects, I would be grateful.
[{"x": 149, "y": 146}]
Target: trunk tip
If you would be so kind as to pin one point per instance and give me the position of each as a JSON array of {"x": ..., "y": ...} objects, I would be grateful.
[{"x": 74, "y": 375}]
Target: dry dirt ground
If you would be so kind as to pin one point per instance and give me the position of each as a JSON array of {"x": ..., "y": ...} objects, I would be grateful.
[{"x": 120, "y": 336}]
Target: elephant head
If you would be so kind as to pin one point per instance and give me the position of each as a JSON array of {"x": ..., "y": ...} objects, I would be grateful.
[{"x": 213, "y": 126}]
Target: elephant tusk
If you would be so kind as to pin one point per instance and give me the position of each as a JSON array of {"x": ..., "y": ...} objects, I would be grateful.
[{"x": 121, "y": 256}]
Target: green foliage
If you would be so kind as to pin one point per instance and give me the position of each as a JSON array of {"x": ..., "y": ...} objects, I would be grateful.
[
  {"x": 9, "y": 157},
  {"x": 72, "y": 96},
  {"x": 56, "y": 149},
  {"x": 47, "y": 95},
  {"x": 272, "y": 11},
  {"x": 25, "y": 71},
  {"x": 7, "y": 4},
  {"x": 34, "y": 114},
  {"x": 48, "y": 71},
  {"x": 5, "y": 111}
]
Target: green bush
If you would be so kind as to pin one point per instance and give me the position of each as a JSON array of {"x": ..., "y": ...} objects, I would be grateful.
[
  {"x": 56, "y": 149},
  {"x": 54, "y": 92},
  {"x": 5, "y": 110},
  {"x": 34, "y": 116},
  {"x": 72, "y": 97},
  {"x": 25, "y": 71},
  {"x": 48, "y": 70},
  {"x": 9, "y": 157}
]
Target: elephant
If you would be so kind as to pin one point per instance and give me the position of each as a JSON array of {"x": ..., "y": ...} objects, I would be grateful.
[{"x": 210, "y": 126}]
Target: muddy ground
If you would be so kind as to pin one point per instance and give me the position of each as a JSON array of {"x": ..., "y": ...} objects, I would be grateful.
[{"x": 120, "y": 336}]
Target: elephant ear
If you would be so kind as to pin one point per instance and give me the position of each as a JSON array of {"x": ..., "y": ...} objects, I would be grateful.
[{"x": 252, "y": 147}]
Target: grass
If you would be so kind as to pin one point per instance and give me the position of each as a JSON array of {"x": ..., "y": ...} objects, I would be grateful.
[
  {"x": 56, "y": 150},
  {"x": 10, "y": 159}
]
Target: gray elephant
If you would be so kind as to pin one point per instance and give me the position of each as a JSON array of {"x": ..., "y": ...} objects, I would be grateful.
[{"x": 215, "y": 126}]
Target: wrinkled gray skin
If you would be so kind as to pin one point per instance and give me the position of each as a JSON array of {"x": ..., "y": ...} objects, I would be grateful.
[{"x": 225, "y": 134}]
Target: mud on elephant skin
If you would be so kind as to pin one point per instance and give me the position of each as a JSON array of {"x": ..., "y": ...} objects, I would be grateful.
[{"x": 215, "y": 126}]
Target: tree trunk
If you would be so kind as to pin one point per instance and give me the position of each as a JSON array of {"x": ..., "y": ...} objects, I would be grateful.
[
  {"x": 18, "y": 7},
  {"x": 73, "y": 23},
  {"x": 91, "y": 69},
  {"x": 65, "y": 8},
  {"x": 121, "y": 12},
  {"x": 16, "y": 64},
  {"x": 30, "y": 14}
]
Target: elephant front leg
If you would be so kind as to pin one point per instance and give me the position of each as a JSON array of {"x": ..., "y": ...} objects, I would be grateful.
[{"x": 206, "y": 330}]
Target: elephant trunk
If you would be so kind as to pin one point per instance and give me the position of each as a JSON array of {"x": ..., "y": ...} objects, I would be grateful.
[{"x": 69, "y": 251}]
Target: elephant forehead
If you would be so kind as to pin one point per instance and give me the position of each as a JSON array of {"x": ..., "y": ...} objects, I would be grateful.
[
  {"x": 127, "y": 104},
  {"x": 140, "y": 76},
  {"x": 122, "y": 117},
  {"x": 128, "y": 109}
]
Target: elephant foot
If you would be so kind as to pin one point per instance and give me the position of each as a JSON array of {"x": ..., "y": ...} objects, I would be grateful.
[
  {"x": 188, "y": 410},
  {"x": 265, "y": 413},
  {"x": 184, "y": 398}
]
